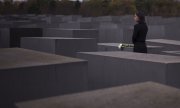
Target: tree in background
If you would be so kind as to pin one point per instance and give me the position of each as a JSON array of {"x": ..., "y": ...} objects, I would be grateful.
[
  {"x": 20, "y": 7},
  {"x": 92, "y": 7},
  {"x": 1, "y": 6},
  {"x": 52, "y": 6},
  {"x": 33, "y": 6},
  {"x": 121, "y": 7},
  {"x": 8, "y": 7},
  {"x": 65, "y": 7},
  {"x": 144, "y": 5},
  {"x": 77, "y": 6},
  {"x": 158, "y": 7}
]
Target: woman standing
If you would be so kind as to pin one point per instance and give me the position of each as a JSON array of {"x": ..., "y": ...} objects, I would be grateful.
[{"x": 139, "y": 34}]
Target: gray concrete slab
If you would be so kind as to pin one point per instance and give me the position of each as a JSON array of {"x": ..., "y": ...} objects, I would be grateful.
[
  {"x": 17, "y": 33},
  {"x": 154, "y": 20},
  {"x": 85, "y": 19},
  {"x": 142, "y": 95},
  {"x": 60, "y": 45},
  {"x": 171, "y": 21},
  {"x": 4, "y": 37},
  {"x": 27, "y": 74},
  {"x": 40, "y": 25},
  {"x": 172, "y": 32},
  {"x": 107, "y": 35},
  {"x": 114, "y": 47},
  {"x": 6, "y": 24},
  {"x": 79, "y": 25},
  {"x": 10, "y": 37},
  {"x": 13, "y": 23},
  {"x": 106, "y": 19},
  {"x": 70, "y": 18},
  {"x": 118, "y": 68},
  {"x": 168, "y": 45},
  {"x": 127, "y": 20},
  {"x": 174, "y": 53},
  {"x": 21, "y": 22},
  {"x": 73, "y": 33},
  {"x": 114, "y": 32},
  {"x": 156, "y": 31},
  {"x": 108, "y": 25},
  {"x": 56, "y": 19}
]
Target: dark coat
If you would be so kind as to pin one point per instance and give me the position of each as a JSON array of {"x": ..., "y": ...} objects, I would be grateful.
[{"x": 139, "y": 37}]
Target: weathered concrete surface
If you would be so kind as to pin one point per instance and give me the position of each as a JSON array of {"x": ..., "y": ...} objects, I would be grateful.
[
  {"x": 106, "y": 69},
  {"x": 142, "y": 95},
  {"x": 60, "y": 45},
  {"x": 174, "y": 53},
  {"x": 27, "y": 74},
  {"x": 10, "y": 37},
  {"x": 73, "y": 33},
  {"x": 4, "y": 38},
  {"x": 79, "y": 25},
  {"x": 168, "y": 45}
]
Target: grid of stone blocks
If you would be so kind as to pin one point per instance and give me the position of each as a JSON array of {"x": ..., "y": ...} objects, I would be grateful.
[{"x": 97, "y": 61}]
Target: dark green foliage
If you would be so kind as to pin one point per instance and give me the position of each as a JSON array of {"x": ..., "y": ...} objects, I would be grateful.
[{"x": 92, "y": 7}]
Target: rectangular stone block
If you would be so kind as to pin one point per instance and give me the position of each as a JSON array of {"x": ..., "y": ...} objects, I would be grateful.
[
  {"x": 4, "y": 38},
  {"x": 27, "y": 74},
  {"x": 146, "y": 95},
  {"x": 5, "y": 24},
  {"x": 56, "y": 19},
  {"x": 112, "y": 32},
  {"x": 79, "y": 25},
  {"x": 154, "y": 20},
  {"x": 156, "y": 31},
  {"x": 20, "y": 22},
  {"x": 169, "y": 21},
  {"x": 107, "y": 35},
  {"x": 70, "y": 18},
  {"x": 85, "y": 19},
  {"x": 107, "y": 19},
  {"x": 108, "y": 69},
  {"x": 127, "y": 20},
  {"x": 73, "y": 33},
  {"x": 17, "y": 33},
  {"x": 60, "y": 45},
  {"x": 10, "y": 37},
  {"x": 174, "y": 53},
  {"x": 168, "y": 45},
  {"x": 172, "y": 32}
]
